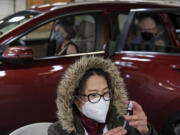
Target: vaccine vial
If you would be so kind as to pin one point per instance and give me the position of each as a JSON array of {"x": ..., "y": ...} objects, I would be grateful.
[{"x": 129, "y": 112}]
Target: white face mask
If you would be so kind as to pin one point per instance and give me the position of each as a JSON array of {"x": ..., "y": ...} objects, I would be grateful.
[{"x": 96, "y": 111}]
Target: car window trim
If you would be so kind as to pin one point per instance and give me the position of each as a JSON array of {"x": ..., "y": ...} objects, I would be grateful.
[
  {"x": 156, "y": 10},
  {"x": 146, "y": 53},
  {"x": 69, "y": 55}
]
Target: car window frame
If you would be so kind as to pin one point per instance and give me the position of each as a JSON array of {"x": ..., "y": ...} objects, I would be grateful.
[
  {"x": 123, "y": 36},
  {"x": 85, "y": 12}
]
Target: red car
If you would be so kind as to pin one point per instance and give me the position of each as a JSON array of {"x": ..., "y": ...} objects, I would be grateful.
[{"x": 30, "y": 70}]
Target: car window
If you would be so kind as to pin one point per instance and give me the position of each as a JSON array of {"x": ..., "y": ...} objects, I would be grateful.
[
  {"x": 78, "y": 30},
  {"x": 42, "y": 32},
  {"x": 148, "y": 33},
  {"x": 15, "y": 20},
  {"x": 116, "y": 23}
]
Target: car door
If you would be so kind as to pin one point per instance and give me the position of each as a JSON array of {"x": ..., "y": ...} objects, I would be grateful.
[
  {"x": 151, "y": 73},
  {"x": 28, "y": 91}
]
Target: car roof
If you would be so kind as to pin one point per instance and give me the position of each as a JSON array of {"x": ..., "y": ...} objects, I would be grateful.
[{"x": 53, "y": 6}]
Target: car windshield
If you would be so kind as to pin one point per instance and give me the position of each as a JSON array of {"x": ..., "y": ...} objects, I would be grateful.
[{"x": 12, "y": 21}]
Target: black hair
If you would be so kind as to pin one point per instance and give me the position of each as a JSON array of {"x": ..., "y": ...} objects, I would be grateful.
[
  {"x": 68, "y": 27},
  {"x": 88, "y": 74}
]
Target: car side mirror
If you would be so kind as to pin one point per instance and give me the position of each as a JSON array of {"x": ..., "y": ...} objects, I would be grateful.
[{"x": 17, "y": 55}]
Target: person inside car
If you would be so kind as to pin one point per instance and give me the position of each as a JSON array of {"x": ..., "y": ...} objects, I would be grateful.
[
  {"x": 149, "y": 33},
  {"x": 92, "y": 100},
  {"x": 63, "y": 34}
]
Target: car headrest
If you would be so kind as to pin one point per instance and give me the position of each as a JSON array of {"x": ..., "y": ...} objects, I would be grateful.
[{"x": 86, "y": 29}]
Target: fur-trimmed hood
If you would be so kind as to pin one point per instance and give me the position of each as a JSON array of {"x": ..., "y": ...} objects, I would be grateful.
[{"x": 70, "y": 81}]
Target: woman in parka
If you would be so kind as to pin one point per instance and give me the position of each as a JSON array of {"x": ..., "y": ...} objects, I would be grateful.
[{"x": 92, "y": 100}]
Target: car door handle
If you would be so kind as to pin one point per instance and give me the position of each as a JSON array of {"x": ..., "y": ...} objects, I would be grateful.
[{"x": 175, "y": 67}]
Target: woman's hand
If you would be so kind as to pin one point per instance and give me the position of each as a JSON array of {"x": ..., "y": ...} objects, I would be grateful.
[
  {"x": 139, "y": 119},
  {"x": 116, "y": 131}
]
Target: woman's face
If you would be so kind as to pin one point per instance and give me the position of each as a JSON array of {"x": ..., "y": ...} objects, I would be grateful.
[
  {"x": 58, "y": 28},
  {"x": 95, "y": 84}
]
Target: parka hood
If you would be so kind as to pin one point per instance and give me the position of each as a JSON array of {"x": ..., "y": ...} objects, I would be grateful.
[{"x": 70, "y": 81}]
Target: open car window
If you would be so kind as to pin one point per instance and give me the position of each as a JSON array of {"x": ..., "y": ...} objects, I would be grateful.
[
  {"x": 82, "y": 34},
  {"x": 149, "y": 30},
  {"x": 149, "y": 33}
]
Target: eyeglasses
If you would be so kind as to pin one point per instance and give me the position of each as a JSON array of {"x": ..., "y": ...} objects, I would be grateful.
[{"x": 95, "y": 97}]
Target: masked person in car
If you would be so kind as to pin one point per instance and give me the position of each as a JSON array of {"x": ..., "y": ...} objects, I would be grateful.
[
  {"x": 92, "y": 100},
  {"x": 63, "y": 34},
  {"x": 149, "y": 33}
]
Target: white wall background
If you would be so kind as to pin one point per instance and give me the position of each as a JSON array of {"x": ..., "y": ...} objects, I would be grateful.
[
  {"x": 8, "y": 7},
  {"x": 131, "y": 0}
]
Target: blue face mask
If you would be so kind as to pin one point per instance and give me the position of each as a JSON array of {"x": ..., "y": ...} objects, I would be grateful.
[{"x": 59, "y": 37}]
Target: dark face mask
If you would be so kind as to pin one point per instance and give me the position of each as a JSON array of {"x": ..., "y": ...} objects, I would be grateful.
[{"x": 146, "y": 36}]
